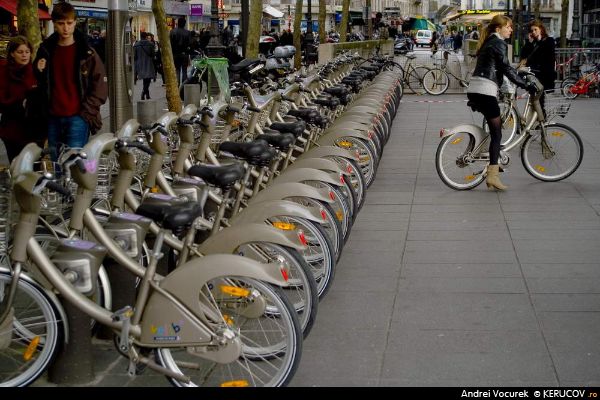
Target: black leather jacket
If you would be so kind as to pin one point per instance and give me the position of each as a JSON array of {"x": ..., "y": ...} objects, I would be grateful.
[{"x": 492, "y": 62}]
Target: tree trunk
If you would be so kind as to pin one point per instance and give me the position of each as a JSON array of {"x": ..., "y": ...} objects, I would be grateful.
[
  {"x": 244, "y": 28},
  {"x": 344, "y": 23},
  {"x": 254, "y": 29},
  {"x": 29, "y": 23},
  {"x": 536, "y": 9},
  {"x": 297, "y": 37},
  {"x": 369, "y": 21},
  {"x": 172, "y": 89},
  {"x": 564, "y": 19},
  {"x": 322, "y": 15}
]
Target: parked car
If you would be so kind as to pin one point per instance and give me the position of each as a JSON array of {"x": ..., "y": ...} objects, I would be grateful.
[{"x": 423, "y": 37}]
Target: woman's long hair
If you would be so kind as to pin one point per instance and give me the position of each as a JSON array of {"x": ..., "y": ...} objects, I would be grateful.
[
  {"x": 499, "y": 21},
  {"x": 13, "y": 44},
  {"x": 540, "y": 25}
]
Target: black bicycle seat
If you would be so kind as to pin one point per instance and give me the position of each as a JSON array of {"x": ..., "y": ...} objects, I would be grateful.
[
  {"x": 175, "y": 217},
  {"x": 281, "y": 141},
  {"x": 296, "y": 128},
  {"x": 223, "y": 176}
]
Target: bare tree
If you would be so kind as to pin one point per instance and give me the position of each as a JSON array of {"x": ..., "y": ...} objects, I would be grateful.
[
  {"x": 369, "y": 21},
  {"x": 29, "y": 22},
  {"x": 172, "y": 89},
  {"x": 297, "y": 37},
  {"x": 322, "y": 15},
  {"x": 536, "y": 9},
  {"x": 344, "y": 24},
  {"x": 254, "y": 26},
  {"x": 564, "y": 19}
]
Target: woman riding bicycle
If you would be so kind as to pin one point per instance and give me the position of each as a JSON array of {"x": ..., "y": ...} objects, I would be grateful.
[{"x": 492, "y": 65}]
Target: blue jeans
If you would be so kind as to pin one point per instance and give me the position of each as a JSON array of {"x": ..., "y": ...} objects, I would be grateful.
[{"x": 66, "y": 131}]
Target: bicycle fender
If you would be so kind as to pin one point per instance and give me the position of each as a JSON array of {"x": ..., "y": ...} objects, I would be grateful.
[
  {"x": 260, "y": 212},
  {"x": 279, "y": 191},
  {"x": 324, "y": 151},
  {"x": 129, "y": 129},
  {"x": 476, "y": 131},
  {"x": 228, "y": 240},
  {"x": 166, "y": 323},
  {"x": 331, "y": 138},
  {"x": 318, "y": 163},
  {"x": 309, "y": 174}
]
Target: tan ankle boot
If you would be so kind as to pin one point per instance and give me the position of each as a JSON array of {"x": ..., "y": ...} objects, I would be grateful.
[{"x": 493, "y": 178}]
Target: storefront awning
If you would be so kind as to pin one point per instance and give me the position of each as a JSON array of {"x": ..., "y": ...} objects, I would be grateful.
[
  {"x": 480, "y": 17},
  {"x": 11, "y": 7},
  {"x": 275, "y": 13}
]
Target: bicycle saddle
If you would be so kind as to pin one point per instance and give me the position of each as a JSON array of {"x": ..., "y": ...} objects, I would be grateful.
[
  {"x": 281, "y": 141},
  {"x": 306, "y": 114},
  {"x": 223, "y": 176},
  {"x": 327, "y": 102},
  {"x": 175, "y": 217},
  {"x": 243, "y": 150},
  {"x": 265, "y": 158},
  {"x": 244, "y": 64},
  {"x": 370, "y": 68},
  {"x": 296, "y": 128},
  {"x": 337, "y": 91}
]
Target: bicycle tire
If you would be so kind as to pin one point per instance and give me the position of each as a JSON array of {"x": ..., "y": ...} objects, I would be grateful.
[
  {"x": 357, "y": 180},
  {"x": 414, "y": 81},
  {"x": 260, "y": 364},
  {"x": 539, "y": 167},
  {"x": 436, "y": 82},
  {"x": 567, "y": 89},
  {"x": 47, "y": 329},
  {"x": 445, "y": 163}
]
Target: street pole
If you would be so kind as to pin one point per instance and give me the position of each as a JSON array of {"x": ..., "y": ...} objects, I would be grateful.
[
  {"x": 575, "y": 36},
  {"x": 309, "y": 38},
  {"x": 215, "y": 47}
]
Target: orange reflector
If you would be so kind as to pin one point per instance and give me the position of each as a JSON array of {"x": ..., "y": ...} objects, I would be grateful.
[
  {"x": 557, "y": 134},
  {"x": 469, "y": 178},
  {"x": 302, "y": 238},
  {"x": 457, "y": 140},
  {"x": 339, "y": 215},
  {"x": 228, "y": 320},
  {"x": 332, "y": 195},
  {"x": 345, "y": 143},
  {"x": 235, "y": 123},
  {"x": 240, "y": 383},
  {"x": 540, "y": 168},
  {"x": 235, "y": 291},
  {"x": 155, "y": 189},
  {"x": 31, "y": 348},
  {"x": 284, "y": 226},
  {"x": 284, "y": 274}
]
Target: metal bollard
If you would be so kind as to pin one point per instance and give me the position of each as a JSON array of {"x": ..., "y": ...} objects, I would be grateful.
[
  {"x": 191, "y": 94},
  {"x": 74, "y": 364},
  {"x": 146, "y": 112}
]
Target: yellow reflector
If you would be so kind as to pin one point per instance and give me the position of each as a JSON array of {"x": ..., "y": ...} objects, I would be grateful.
[
  {"x": 240, "y": 383},
  {"x": 228, "y": 320},
  {"x": 155, "y": 189},
  {"x": 557, "y": 134},
  {"x": 364, "y": 158},
  {"x": 235, "y": 291},
  {"x": 339, "y": 215},
  {"x": 469, "y": 178},
  {"x": 540, "y": 168},
  {"x": 235, "y": 123},
  {"x": 284, "y": 226},
  {"x": 31, "y": 348},
  {"x": 345, "y": 143},
  {"x": 457, "y": 140}
]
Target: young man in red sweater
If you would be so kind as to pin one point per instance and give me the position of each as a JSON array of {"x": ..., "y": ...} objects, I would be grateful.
[{"x": 75, "y": 82}]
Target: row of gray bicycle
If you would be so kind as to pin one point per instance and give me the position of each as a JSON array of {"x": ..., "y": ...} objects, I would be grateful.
[{"x": 228, "y": 220}]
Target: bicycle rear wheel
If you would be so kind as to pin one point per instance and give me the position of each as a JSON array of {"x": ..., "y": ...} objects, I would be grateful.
[
  {"x": 436, "y": 82},
  {"x": 414, "y": 80},
  {"x": 271, "y": 342},
  {"x": 556, "y": 158},
  {"x": 454, "y": 163},
  {"x": 29, "y": 340},
  {"x": 510, "y": 123}
]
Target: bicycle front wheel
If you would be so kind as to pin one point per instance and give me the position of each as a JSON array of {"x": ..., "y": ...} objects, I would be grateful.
[
  {"x": 436, "y": 82},
  {"x": 454, "y": 162},
  {"x": 554, "y": 158},
  {"x": 31, "y": 336},
  {"x": 567, "y": 89},
  {"x": 271, "y": 341}
]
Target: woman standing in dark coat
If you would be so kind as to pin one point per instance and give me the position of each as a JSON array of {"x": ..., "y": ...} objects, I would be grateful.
[
  {"x": 144, "y": 63},
  {"x": 21, "y": 120}
]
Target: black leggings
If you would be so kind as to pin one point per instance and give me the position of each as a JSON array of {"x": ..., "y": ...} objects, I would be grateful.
[
  {"x": 146, "y": 88},
  {"x": 488, "y": 106}
]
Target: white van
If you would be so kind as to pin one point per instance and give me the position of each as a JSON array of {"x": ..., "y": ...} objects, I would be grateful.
[{"x": 423, "y": 37}]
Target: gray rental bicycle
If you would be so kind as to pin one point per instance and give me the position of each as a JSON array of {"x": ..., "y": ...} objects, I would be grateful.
[
  {"x": 550, "y": 152},
  {"x": 437, "y": 80}
]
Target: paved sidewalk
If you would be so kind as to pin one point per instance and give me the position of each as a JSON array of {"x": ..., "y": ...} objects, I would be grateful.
[{"x": 443, "y": 288}]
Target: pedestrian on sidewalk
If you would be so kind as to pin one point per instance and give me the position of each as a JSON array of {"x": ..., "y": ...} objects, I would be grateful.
[
  {"x": 74, "y": 82},
  {"x": 492, "y": 66},
  {"x": 143, "y": 52},
  {"x": 23, "y": 116},
  {"x": 180, "y": 46}
]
